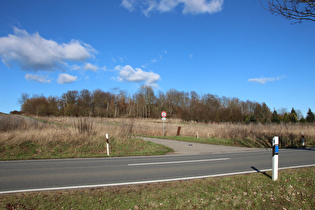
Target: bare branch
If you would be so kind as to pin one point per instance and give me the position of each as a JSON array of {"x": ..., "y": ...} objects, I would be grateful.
[{"x": 299, "y": 10}]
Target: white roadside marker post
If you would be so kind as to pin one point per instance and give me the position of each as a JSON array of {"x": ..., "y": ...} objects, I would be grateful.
[
  {"x": 163, "y": 115},
  {"x": 163, "y": 125},
  {"x": 275, "y": 160},
  {"x": 107, "y": 144},
  {"x": 303, "y": 140}
]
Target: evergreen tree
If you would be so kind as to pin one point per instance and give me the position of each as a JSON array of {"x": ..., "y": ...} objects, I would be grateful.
[
  {"x": 253, "y": 119},
  {"x": 310, "y": 116},
  {"x": 293, "y": 116},
  {"x": 302, "y": 120},
  {"x": 275, "y": 117},
  {"x": 286, "y": 118}
]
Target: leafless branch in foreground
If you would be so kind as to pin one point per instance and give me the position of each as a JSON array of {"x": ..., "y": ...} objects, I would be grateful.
[{"x": 298, "y": 10}]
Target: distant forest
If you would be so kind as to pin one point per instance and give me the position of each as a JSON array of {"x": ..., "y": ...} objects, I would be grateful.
[{"x": 146, "y": 104}]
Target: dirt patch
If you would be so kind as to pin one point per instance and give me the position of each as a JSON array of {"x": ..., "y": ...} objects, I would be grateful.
[{"x": 192, "y": 148}]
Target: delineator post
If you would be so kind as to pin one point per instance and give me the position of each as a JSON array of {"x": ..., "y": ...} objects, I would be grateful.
[
  {"x": 107, "y": 144},
  {"x": 275, "y": 160}
]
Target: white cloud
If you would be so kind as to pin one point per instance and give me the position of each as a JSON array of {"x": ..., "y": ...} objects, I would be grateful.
[
  {"x": 202, "y": 6},
  {"x": 75, "y": 67},
  {"x": 150, "y": 5},
  {"x": 128, "y": 4},
  {"x": 129, "y": 74},
  {"x": 144, "y": 66},
  {"x": 154, "y": 60},
  {"x": 37, "y": 78},
  {"x": 263, "y": 80},
  {"x": 89, "y": 66},
  {"x": 167, "y": 5},
  {"x": 189, "y": 6},
  {"x": 33, "y": 52},
  {"x": 66, "y": 78}
]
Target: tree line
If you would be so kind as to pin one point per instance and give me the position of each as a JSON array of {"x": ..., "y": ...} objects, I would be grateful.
[{"x": 146, "y": 104}]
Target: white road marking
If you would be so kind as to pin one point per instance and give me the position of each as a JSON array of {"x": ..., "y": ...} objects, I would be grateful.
[
  {"x": 175, "y": 162},
  {"x": 147, "y": 182}
]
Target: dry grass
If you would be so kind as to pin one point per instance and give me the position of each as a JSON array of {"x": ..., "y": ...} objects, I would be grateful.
[
  {"x": 64, "y": 130},
  {"x": 14, "y": 122},
  {"x": 289, "y": 133},
  {"x": 58, "y": 137},
  {"x": 70, "y": 137}
]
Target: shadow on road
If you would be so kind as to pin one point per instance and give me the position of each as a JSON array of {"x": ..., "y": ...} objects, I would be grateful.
[{"x": 306, "y": 149}]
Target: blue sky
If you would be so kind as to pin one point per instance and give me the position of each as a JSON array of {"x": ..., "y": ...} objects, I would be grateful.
[{"x": 231, "y": 48}]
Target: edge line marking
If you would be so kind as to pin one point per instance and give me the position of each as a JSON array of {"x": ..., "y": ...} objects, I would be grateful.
[{"x": 147, "y": 182}]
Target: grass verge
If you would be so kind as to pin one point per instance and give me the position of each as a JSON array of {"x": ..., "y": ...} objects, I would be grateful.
[
  {"x": 295, "y": 189},
  {"x": 58, "y": 149},
  {"x": 79, "y": 149}
]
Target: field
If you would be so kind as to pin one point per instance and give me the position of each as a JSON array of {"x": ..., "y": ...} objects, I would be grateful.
[
  {"x": 295, "y": 189},
  {"x": 63, "y": 137},
  {"x": 29, "y": 138},
  {"x": 248, "y": 135}
]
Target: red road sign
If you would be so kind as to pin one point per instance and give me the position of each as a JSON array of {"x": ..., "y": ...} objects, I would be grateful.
[{"x": 163, "y": 114}]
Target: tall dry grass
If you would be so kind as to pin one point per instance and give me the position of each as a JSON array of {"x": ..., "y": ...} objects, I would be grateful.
[
  {"x": 116, "y": 128},
  {"x": 64, "y": 129},
  {"x": 64, "y": 137},
  {"x": 13, "y": 122},
  {"x": 289, "y": 134},
  {"x": 23, "y": 138},
  {"x": 225, "y": 130}
]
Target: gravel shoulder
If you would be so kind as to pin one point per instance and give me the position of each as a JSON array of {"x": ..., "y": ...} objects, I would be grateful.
[{"x": 192, "y": 148}]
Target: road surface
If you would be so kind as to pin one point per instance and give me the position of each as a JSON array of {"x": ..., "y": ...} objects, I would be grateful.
[{"x": 36, "y": 175}]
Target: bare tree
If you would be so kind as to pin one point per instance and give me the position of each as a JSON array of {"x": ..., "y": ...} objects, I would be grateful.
[
  {"x": 298, "y": 10},
  {"x": 116, "y": 90},
  {"x": 23, "y": 98}
]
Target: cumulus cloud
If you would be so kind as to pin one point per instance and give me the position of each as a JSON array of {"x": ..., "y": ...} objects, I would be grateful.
[
  {"x": 129, "y": 74},
  {"x": 37, "y": 78},
  {"x": 189, "y": 6},
  {"x": 35, "y": 53},
  {"x": 66, "y": 78},
  {"x": 89, "y": 66},
  {"x": 263, "y": 80}
]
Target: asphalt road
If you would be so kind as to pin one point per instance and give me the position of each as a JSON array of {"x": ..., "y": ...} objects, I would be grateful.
[{"x": 35, "y": 175}]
